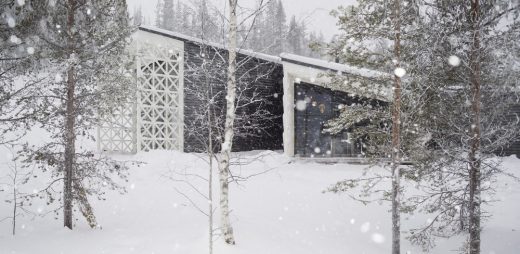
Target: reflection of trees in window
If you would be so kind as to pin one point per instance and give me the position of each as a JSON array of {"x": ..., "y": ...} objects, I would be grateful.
[{"x": 322, "y": 105}]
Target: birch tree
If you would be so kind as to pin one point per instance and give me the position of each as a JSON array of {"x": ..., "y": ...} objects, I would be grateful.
[
  {"x": 207, "y": 85},
  {"x": 225, "y": 153}
]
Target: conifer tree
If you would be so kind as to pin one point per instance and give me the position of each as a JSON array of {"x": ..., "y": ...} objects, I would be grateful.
[
  {"x": 19, "y": 52},
  {"x": 295, "y": 37},
  {"x": 206, "y": 23},
  {"x": 137, "y": 16},
  {"x": 84, "y": 44},
  {"x": 440, "y": 103},
  {"x": 470, "y": 75},
  {"x": 168, "y": 16},
  {"x": 159, "y": 13},
  {"x": 373, "y": 39},
  {"x": 279, "y": 29}
]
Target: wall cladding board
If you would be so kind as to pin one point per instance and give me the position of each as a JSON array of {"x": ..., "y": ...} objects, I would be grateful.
[{"x": 258, "y": 80}]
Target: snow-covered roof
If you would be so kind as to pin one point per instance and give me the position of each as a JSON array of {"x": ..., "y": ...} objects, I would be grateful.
[
  {"x": 183, "y": 37},
  {"x": 284, "y": 57},
  {"x": 326, "y": 65}
]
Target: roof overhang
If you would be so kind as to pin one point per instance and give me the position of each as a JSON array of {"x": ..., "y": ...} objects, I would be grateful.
[{"x": 201, "y": 41}]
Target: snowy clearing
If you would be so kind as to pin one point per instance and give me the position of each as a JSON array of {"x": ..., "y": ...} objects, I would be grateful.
[{"x": 280, "y": 210}]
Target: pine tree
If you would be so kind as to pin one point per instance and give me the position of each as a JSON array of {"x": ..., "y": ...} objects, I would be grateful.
[
  {"x": 168, "y": 15},
  {"x": 396, "y": 132},
  {"x": 373, "y": 38},
  {"x": 255, "y": 37},
  {"x": 295, "y": 37},
  {"x": 84, "y": 43},
  {"x": 471, "y": 66},
  {"x": 137, "y": 17},
  {"x": 19, "y": 53},
  {"x": 279, "y": 29},
  {"x": 205, "y": 24},
  {"x": 185, "y": 19},
  {"x": 159, "y": 14},
  {"x": 440, "y": 103}
]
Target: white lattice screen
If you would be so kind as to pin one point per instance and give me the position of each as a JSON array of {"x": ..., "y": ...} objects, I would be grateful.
[
  {"x": 117, "y": 131},
  {"x": 160, "y": 98},
  {"x": 155, "y": 120}
]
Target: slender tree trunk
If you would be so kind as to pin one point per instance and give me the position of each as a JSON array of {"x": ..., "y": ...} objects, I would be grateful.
[
  {"x": 474, "y": 153},
  {"x": 396, "y": 136},
  {"x": 229, "y": 126},
  {"x": 69, "y": 124},
  {"x": 210, "y": 196},
  {"x": 15, "y": 199},
  {"x": 210, "y": 178}
]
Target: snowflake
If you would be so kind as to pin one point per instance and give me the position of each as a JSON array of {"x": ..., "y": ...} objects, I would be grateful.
[
  {"x": 301, "y": 105},
  {"x": 399, "y": 72},
  {"x": 378, "y": 238},
  {"x": 10, "y": 21},
  {"x": 454, "y": 61},
  {"x": 365, "y": 227},
  {"x": 14, "y": 39}
]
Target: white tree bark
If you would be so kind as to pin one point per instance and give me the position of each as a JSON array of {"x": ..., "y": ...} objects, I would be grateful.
[
  {"x": 225, "y": 153},
  {"x": 210, "y": 177}
]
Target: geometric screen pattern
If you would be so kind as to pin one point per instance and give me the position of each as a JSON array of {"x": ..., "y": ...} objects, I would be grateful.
[
  {"x": 117, "y": 130},
  {"x": 160, "y": 117}
]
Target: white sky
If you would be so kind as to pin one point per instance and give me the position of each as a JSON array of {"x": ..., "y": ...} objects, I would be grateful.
[{"x": 315, "y": 13}]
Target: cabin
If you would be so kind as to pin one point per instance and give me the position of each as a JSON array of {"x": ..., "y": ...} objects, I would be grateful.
[{"x": 170, "y": 68}]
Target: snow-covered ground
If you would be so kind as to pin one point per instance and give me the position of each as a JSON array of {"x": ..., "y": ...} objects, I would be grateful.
[{"x": 279, "y": 209}]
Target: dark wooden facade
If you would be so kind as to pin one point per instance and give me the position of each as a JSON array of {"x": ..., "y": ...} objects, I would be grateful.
[
  {"x": 264, "y": 81},
  {"x": 259, "y": 80}
]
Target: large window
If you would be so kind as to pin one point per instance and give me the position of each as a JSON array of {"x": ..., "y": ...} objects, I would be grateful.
[{"x": 314, "y": 106}]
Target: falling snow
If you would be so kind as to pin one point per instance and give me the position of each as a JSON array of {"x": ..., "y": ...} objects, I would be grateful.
[
  {"x": 58, "y": 78},
  {"x": 10, "y": 21},
  {"x": 378, "y": 238},
  {"x": 365, "y": 227},
  {"x": 301, "y": 105},
  {"x": 15, "y": 40},
  {"x": 400, "y": 72},
  {"x": 454, "y": 61}
]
